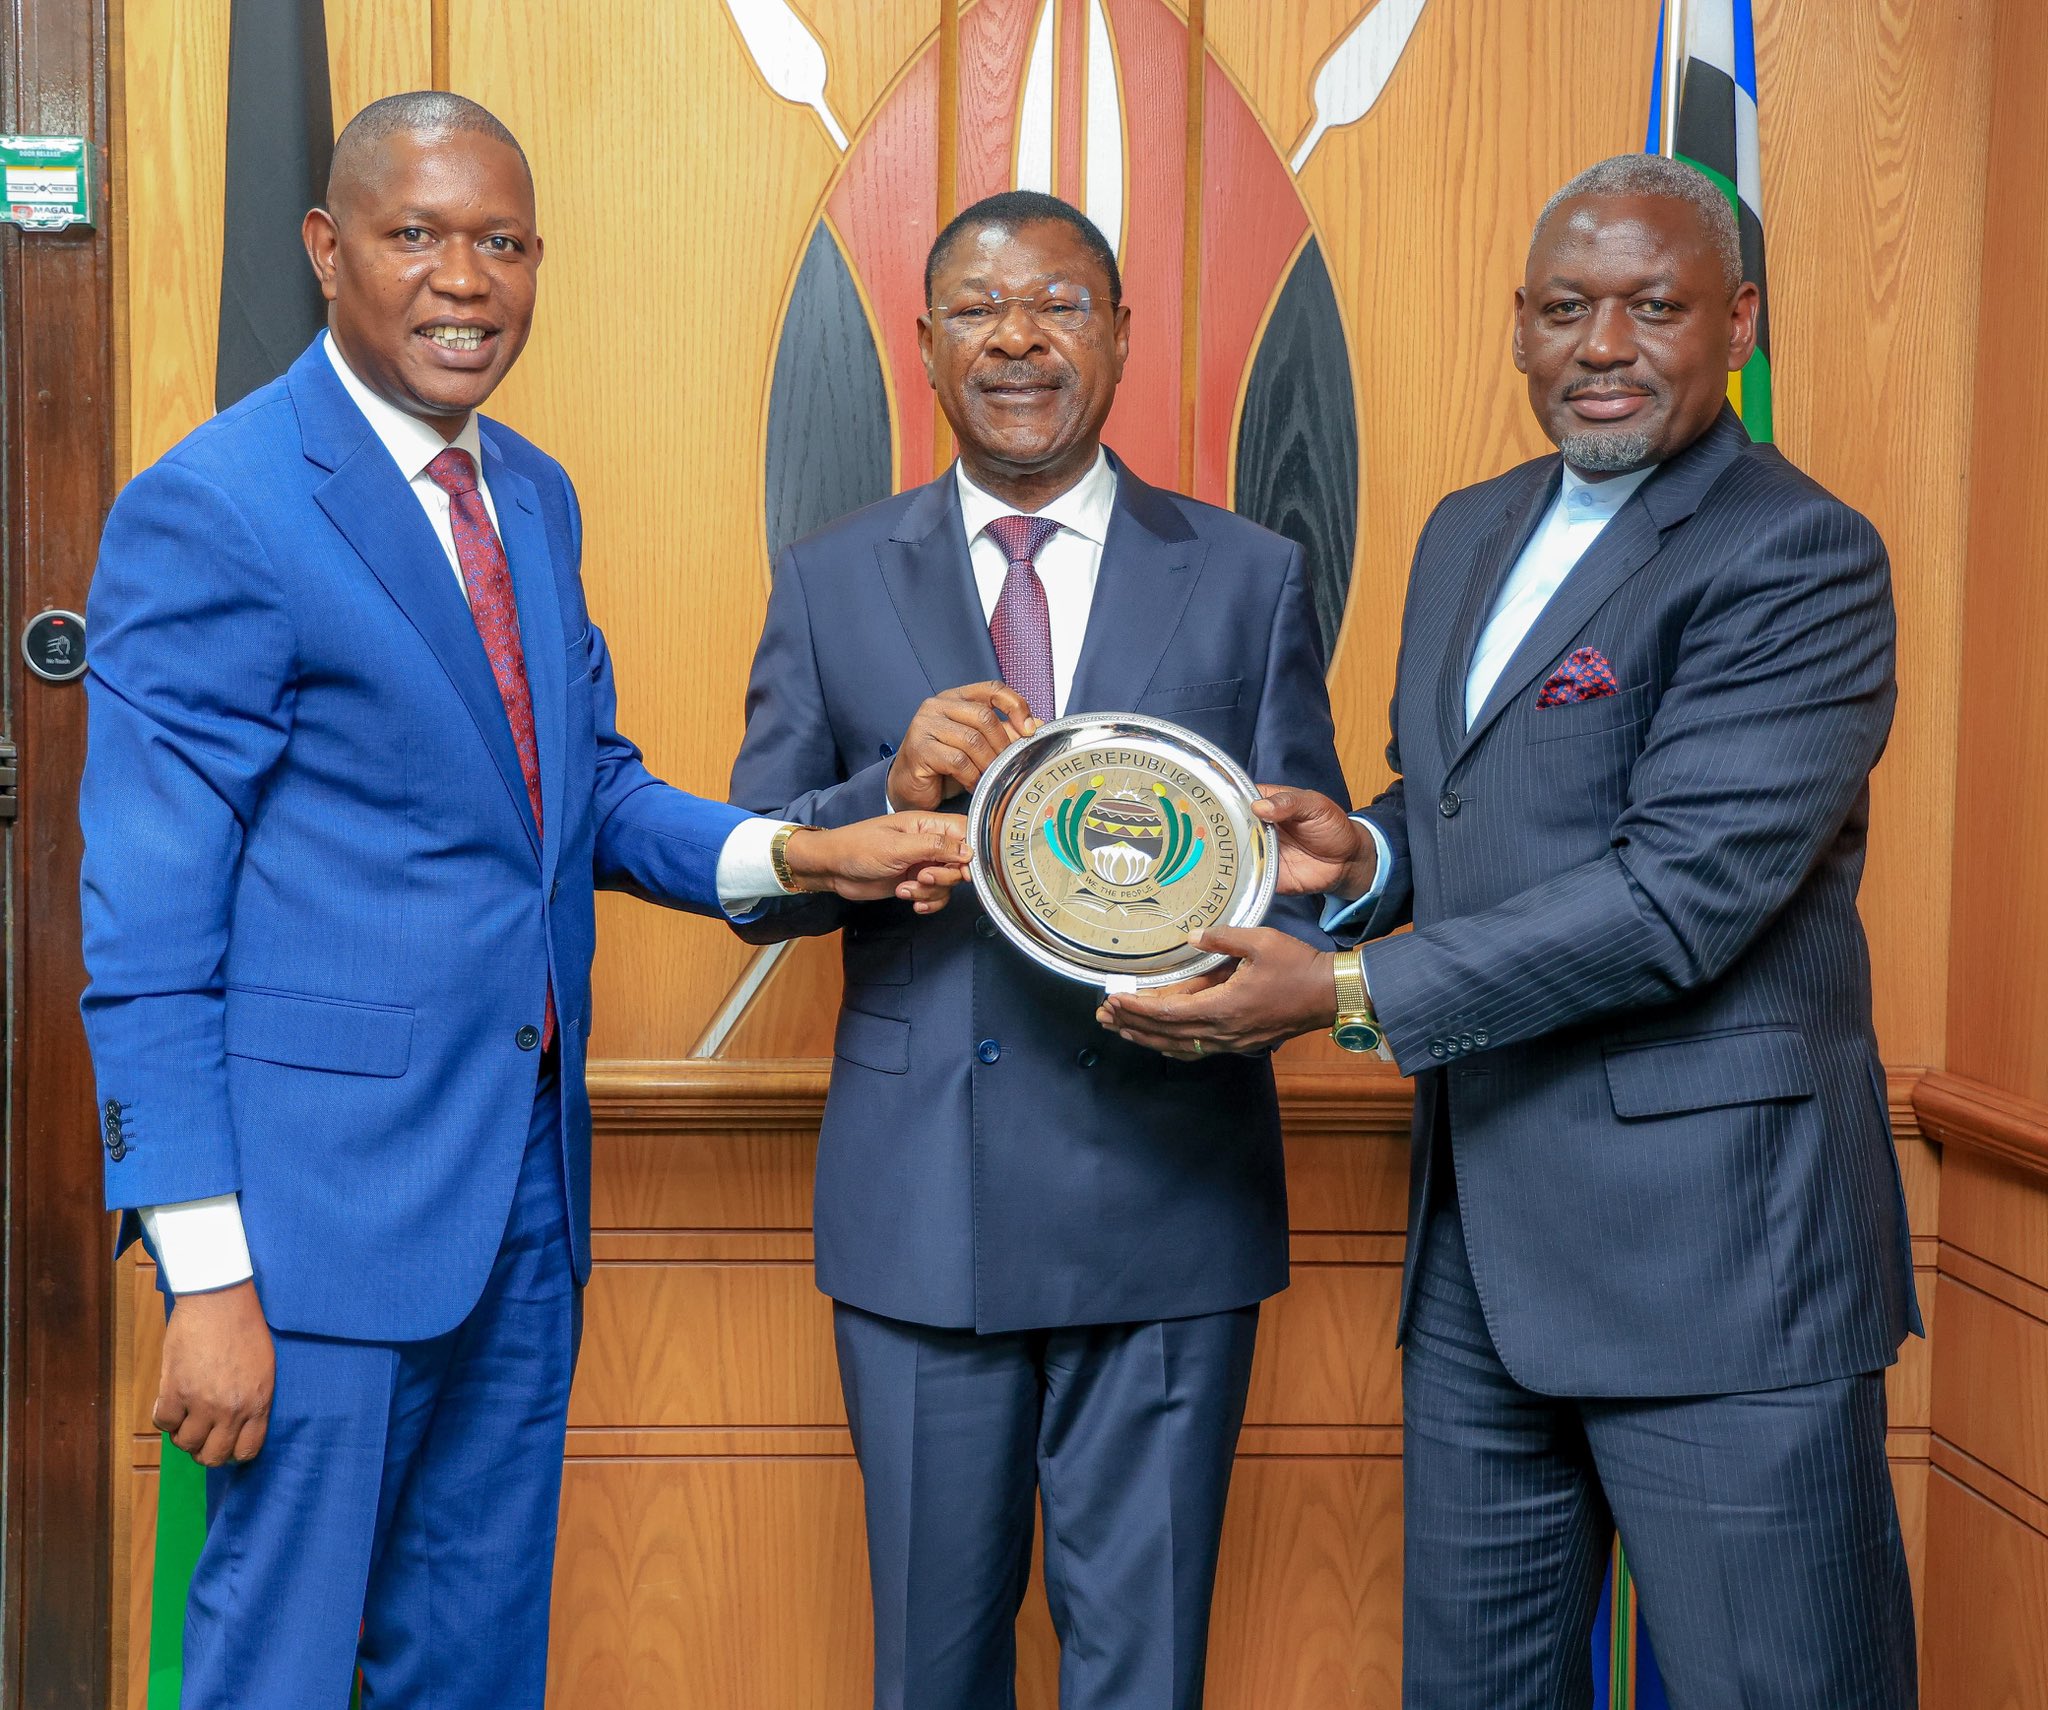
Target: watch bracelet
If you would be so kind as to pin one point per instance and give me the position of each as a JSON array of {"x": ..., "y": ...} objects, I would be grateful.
[{"x": 778, "y": 859}]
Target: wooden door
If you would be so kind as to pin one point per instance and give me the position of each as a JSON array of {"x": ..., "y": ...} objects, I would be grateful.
[{"x": 56, "y": 355}]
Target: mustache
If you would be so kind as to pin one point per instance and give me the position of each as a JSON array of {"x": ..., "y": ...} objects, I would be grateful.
[
  {"x": 1020, "y": 374},
  {"x": 1612, "y": 385}
]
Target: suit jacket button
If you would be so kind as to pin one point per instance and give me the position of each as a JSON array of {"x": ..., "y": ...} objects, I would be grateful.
[
  {"x": 985, "y": 927},
  {"x": 988, "y": 1050},
  {"x": 117, "y": 1148},
  {"x": 1437, "y": 1049},
  {"x": 1467, "y": 1042},
  {"x": 1448, "y": 804},
  {"x": 1479, "y": 1039},
  {"x": 888, "y": 751},
  {"x": 1086, "y": 1057},
  {"x": 527, "y": 1037}
]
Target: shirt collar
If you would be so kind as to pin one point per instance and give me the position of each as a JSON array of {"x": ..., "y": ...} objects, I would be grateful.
[
  {"x": 1085, "y": 507},
  {"x": 1583, "y": 498},
  {"x": 413, "y": 444}
]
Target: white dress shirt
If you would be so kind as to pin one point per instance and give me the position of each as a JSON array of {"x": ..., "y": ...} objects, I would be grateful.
[
  {"x": 1067, "y": 564},
  {"x": 200, "y": 1244},
  {"x": 1576, "y": 516}
]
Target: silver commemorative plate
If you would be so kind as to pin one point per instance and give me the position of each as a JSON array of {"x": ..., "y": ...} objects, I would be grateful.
[{"x": 1099, "y": 842}]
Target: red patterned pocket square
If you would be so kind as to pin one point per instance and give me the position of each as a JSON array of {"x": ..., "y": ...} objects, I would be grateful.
[{"x": 1585, "y": 676}]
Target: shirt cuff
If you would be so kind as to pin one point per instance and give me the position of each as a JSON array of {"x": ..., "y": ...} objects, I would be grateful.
[
  {"x": 746, "y": 869},
  {"x": 200, "y": 1244},
  {"x": 1340, "y": 913}
]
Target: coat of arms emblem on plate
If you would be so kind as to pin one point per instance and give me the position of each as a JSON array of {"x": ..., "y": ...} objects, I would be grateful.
[{"x": 1101, "y": 843}]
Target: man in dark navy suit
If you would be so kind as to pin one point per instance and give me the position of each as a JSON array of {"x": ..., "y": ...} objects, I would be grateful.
[
  {"x": 1046, "y": 1247},
  {"x": 354, "y": 774},
  {"x": 1659, "y": 1258}
]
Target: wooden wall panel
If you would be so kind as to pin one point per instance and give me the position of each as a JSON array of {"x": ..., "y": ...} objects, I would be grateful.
[
  {"x": 176, "y": 73},
  {"x": 1986, "y": 1640},
  {"x": 1998, "y": 1031},
  {"x": 1986, "y": 1646},
  {"x": 675, "y": 1585},
  {"x": 1991, "y": 1387},
  {"x": 1860, "y": 251},
  {"x": 376, "y": 48},
  {"x": 1996, "y": 1214}
]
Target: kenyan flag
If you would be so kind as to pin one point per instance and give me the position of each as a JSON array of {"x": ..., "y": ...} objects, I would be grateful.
[{"x": 1703, "y": 111}]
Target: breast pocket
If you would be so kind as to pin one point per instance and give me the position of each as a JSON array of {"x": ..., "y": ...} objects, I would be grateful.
[
  {"x": 1591, "y": 718},
  {"x": 876, "y": 958},
  {"x": 1220, "y": 695}
]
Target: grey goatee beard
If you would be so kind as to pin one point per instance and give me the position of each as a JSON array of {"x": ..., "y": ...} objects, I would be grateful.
[{"x": 1607, "y": 453}]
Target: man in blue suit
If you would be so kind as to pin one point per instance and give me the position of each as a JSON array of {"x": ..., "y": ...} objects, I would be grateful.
[
  {"x": 353, "y": 774},
  {"x": 1658, "y": 1257},
  {"x": 1045, "y": 1247}
]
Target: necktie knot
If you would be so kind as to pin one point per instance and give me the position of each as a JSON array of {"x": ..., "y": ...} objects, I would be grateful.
[
  {"x": 1022, "y": 538},
  {"x": 454, "y": 472}
]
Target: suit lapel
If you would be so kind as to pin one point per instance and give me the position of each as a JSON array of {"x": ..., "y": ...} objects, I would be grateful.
[
  {"x": 541, "y": 640},
  {"x": 369, "y": 502},
  {"x": 925, "y": 567},
  {"x": 1491, "y": 563},
  {"x": 1623, "y": 547},
  {"x": 1151, "y": 562}
]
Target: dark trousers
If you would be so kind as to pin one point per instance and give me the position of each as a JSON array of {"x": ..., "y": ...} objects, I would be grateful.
[
  {"x": 1123, "y": 1434},
  {"x": 403, "y": 1508},
  {"x": 1762, "y": 1529}
]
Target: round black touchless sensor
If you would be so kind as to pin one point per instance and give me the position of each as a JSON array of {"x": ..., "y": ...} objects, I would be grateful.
[{"x": 53, "y": 646}]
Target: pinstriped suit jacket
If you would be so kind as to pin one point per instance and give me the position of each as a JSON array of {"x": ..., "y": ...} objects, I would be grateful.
[{"x": 1637, "y": 994}]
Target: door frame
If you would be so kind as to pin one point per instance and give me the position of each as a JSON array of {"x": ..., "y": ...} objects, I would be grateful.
[{"x": 58, "y": 420}]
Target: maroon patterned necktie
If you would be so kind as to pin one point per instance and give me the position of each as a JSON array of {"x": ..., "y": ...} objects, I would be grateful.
[
  {"x": 488, "y": 577},
  {"x": 1021, "y": 624}
]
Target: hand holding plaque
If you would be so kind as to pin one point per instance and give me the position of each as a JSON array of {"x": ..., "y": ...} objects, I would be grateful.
[
  {"x": 953, "y": 738},
  {"x": 1099, "y": 842}
]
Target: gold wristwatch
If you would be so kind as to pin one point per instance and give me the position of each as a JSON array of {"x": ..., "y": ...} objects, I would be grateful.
[
  {"x": 1357, "y": 1028},
  {"x": 778, "y": 858}
]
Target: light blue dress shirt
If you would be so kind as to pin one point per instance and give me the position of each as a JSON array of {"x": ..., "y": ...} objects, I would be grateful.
[{"x": 1576, "y": 516}]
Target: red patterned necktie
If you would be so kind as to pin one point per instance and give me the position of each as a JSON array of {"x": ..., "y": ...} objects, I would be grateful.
[
  {"x": 488, "y": 578},
  {"x": 1021, "y": 624}
]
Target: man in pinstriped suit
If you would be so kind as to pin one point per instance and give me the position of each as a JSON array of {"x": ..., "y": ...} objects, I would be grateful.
[{"x": 1660, "y": 1258}]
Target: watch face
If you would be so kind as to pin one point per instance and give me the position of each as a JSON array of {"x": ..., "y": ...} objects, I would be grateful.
[
  {"x": 1356, "y": 1036},
  {"x": 1100, "y": 842}
]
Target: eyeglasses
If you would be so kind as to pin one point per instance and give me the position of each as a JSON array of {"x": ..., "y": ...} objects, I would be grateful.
[{"x": 1067, "y": 312}]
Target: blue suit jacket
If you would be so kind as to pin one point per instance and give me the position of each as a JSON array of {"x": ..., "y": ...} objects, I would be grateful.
[
  {"x": 1637, "y": 990},
  {"x": 317, "y": 912},
  {"x": 1074, "y": 1179}
]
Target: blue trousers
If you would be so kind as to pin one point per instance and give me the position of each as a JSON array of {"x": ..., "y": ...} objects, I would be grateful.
[
  {"x": 1123, "y": 1433},
  {"x": 403, "y": 1508},
  {"x": 1762, "y": 1529}
]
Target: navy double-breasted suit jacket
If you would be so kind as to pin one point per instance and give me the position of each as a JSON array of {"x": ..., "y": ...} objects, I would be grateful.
[
  {"x": 990, "y": 1156},
  {"x": 1637, "y": 993}
]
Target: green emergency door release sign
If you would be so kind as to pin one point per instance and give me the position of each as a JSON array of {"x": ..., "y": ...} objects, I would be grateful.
[{"x": 48, "y": 182}]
